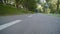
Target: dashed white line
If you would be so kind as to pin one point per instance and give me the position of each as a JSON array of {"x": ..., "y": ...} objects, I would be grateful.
[
  {"x": 30, "y": 16},
  {"x": 9, "y": 24}
]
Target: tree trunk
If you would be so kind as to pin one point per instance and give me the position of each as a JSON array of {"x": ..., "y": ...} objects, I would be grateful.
[
  {"x": 57, "y": 6},
  {"x": 5, "y": 1},
  {"x": 17, "y": 4}
]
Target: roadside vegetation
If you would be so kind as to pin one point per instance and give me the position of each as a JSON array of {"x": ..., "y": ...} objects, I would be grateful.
[
  {"x": 56, "y": 15},
  {"x": 50, "y": 7},
  {"x": 12, "y": 7},
  {"x": 7, "y": 10}
]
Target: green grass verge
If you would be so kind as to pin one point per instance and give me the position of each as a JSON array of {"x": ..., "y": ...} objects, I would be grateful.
[
  {"x": 57, "y": 15},
  {"x": 51, "y": 14},
  {"x": 7, "y": 10}
]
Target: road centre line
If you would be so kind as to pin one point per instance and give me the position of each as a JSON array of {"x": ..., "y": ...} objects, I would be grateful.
[
  {"x": 9, "y": 24},
  {"x": 30, "y": 16}
]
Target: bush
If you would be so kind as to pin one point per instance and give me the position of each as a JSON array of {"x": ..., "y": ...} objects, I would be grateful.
[{"x": 7, "y": 10}]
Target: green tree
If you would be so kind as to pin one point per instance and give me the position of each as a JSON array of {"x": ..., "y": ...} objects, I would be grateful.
[
  {"x": 17, "y": 3},
  {"x": 5, "y": 1},
  {"x": 1, "y": 2},
  {"x": 48, "y": 1},
  {"x": 38, "y": 1},
  {"x": 30, "y": 4},
  {"x": 52, "y": 5},
  {"x": 57, "y": 6}
]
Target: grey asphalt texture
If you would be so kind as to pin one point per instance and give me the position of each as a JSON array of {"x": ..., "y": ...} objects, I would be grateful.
[{"x": 37, "y": 24}]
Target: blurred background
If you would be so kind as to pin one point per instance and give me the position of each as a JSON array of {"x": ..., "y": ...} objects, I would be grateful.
[{"x": 12, "y": 7}]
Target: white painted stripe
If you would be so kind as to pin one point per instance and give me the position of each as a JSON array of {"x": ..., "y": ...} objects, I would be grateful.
[
  {"x": 30, "y": 16},
  {"x": 9, "y": 24}
]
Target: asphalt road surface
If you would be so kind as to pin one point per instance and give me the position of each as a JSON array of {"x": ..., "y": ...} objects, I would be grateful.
[{"x": 29, "y": 24}]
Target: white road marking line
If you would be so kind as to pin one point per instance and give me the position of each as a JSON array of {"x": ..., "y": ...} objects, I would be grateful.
[
  {"x": 30, "y": 16},
  {"x": 9, "y": 24}
]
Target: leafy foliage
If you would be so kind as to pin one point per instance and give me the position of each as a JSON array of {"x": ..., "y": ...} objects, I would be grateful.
[{"x": 30, "y": 4}]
